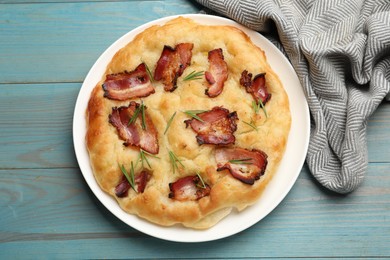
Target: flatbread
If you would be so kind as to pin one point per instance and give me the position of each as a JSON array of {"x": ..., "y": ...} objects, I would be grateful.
[{"x": 107, "y": 152}]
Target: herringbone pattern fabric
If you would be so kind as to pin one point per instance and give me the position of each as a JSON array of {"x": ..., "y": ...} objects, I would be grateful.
[{"x": 340, "y": 50}]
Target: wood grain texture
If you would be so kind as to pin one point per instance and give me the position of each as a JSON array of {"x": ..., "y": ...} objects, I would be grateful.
[
  {"x": 54, "y": 209},
  {"x": 48, "y": 211},
  {"x": 59, "y": 42},
  {"x": 36, "y": 125}
]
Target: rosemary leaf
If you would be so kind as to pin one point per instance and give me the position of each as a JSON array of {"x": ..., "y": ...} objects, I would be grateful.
[
  {"x": 252, "y": 125},
  {"x": 174, "y": 160},
  {"x": 132, "y": 176},
  {"x": 241, "y": 161},
  {"x": 149, "y": 72},
  {"x": 263, "y": 108},
  {"x": 143, "y": 124},
  {"x": 169, "y": 122},
  {"x": 194, "y": 75},
  {"x": 196, "y": 111},
  {"x": 152, "y": 155},
  {"x": 135, "y": 115},
  {"x": 129, "y": 176},
  {"x": 194, "y": 114},
  {"x": 203, "y": 186},
  {"x": 257, "y": 105},
  {"x": 142, "y": 157},
  {"x": 140, "y": 109}
]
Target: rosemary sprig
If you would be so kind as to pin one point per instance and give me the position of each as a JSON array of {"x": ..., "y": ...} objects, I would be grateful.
[
  {"x": 252, "y": 124},
  {"x": 135, "y": 115},
  {"x": 263, "y": 108},
  {"x": 194, "y": 75},
  {"x": 257, "y": 105},
  {"x": 143, "y": 124},
  {"x": 194, "y": 114},
  {"x": 174, "y": 160},
  {"x": 241, "y": 161},
  {"x": 140, "y": 109},
  {"x": 129, "y": 176},
  {"x": 149, "y": 72},
  {"x": 169, "y": 123},
  {"x": 142, "y": 158},
  {"x": 203, "y": 185}
]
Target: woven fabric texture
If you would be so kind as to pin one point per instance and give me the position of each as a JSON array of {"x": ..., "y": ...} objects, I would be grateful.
[{"x": 340, "y": 50}]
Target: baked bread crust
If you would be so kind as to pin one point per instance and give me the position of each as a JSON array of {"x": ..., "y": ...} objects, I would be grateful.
[{"x": 107, "y": 152}]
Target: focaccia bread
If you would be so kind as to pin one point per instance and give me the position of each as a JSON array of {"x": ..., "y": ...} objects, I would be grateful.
[{"x": 188, "y": 123}]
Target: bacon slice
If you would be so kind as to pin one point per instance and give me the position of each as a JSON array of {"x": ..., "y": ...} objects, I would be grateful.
[
  {"x": 217, "y": 74},
  {"x": 134, "y": 134},
  {"x": 172, "y": 63},
  {"x": 244, "y": 165},
  {"x": 217, "y": 126},
  {"x": 121, "y": 190},
  {"x": 127, "y": 85},
  {"x": 257, "y": 87},
  {"x": 141, "y": 180},
  {"x": 188, "y": 188}
]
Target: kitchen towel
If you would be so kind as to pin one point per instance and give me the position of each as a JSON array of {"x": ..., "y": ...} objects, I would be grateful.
[{"x": 340, "y": 50}]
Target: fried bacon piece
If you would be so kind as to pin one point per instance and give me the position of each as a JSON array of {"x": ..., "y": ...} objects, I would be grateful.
[
  {"x": 244, "y": 165},
  {"x": 126, "y": 85},
  {"x": 215, "y": 127},
  {"x": 217, "y": 74},
  {"x": 188, "y": 188},
  {"x": 172, "y": 63},
  {"x": 121, "y": 190},
  {"x": 141, "y": 132},
  {"x": 257, "y": 87},
  {"x": 141, "y": 180}
]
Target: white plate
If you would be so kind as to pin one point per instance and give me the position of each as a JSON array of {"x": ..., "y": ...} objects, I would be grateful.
[{"x": 276, "y": 190}]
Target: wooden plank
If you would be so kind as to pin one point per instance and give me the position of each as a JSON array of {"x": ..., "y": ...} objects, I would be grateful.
[
  {"x": 378, "y": 141},
  {"x": 36, "y": 126},
  {"x": 51, "y": 213},
  {"x": 60, "y": 42}
]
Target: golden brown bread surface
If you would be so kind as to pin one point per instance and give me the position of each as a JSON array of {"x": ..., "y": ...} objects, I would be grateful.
[{"x": 107, "y": 152}]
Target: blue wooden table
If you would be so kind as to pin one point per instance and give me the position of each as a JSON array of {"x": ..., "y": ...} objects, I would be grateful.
[{"x": 48, "y": 211}]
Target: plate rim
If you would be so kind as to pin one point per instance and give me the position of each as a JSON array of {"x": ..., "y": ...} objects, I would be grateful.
[{"x": 167, "y": 233}]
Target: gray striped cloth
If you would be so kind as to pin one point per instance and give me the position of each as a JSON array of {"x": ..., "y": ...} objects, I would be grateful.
[{"x": 340, "y": 50}]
